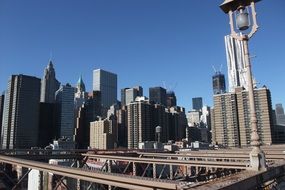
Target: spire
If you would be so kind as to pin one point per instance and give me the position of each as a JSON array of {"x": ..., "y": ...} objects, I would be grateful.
[{"x": 80, "y": 84}]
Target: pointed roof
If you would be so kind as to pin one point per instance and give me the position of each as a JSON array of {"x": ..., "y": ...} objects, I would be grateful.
[{"x": 80, "y": 84}]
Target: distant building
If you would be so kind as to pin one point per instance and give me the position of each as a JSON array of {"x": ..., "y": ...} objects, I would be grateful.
[
  {"x": 47, "y": 124},
  {"x": 106, "y": 83},
  {"x": 193, "y": 118},
  {"x": 177, "y": 123},
  {"x": 122, "y": 121},
  {"x": 20, "y": 126},
  {"x": 280, "y": 116},
  {"x": 157, "y": 95},
  {"x": 2, "y": 97},
  {"x": 101, "y": 136},
  {"x": 139, "y": 123},
  {"x": 80, "y": 95},
  {"x": 132, "y": 93},
  {"x": 236, "y": 63},
  {"x": 205, "y": 118},
  {"x": 197, "y": 103},
  {"x": 123, "y": 96},
  {"x": 64, "y": 97},
  {"x": 219, "y": 84},
  {"x": 170, "y": 99},
  {"x": 49, "y": 84}
]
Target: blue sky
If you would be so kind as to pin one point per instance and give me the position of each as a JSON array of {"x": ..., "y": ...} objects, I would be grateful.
[{"x": 146, "y": 42}]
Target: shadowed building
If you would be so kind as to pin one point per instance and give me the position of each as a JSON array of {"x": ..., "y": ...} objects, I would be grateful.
[
  {"x": 157, "y": 95},
  {"x": 20, "y": 126}
]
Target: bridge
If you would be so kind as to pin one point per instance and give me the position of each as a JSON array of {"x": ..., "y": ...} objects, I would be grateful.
[{"x": 212, "y": 169}]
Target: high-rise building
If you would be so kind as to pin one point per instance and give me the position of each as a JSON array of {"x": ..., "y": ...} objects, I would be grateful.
[
  {"x": 197, "y": 103},
  {"x": 231, "y": 117},
  {"x": 81, "y": 95},
  {"x": 1, "y": 110},
  {"x": 280, "y": 116},
  {"x": 157, "y": 95},
  {"x": 263, "y": 108},
  {"x": 225, "y": 127},
  {"x": 123, "y": 96},
  {"x": 122, "y": 120},
  {"x": 89, "y": 111},
  {"x": 171, "y": 99},
  {"x": 101, "y": 136},
  {"x": 219, "y": 84},
  {"x": 132, "y": 93},
  {"x": 47, "y": 128},
  {"x": 64, "y": 98},
  {"x": 139, "y": 123},
  {"x": 49, "y": 84},
  {"x": 106, "y": 82},
  {"x": 236, "y": 63},
  {"x": 20, "y": 127},
  {"x": 193, "y": 118},
  {"x": 177, "y": 123}
]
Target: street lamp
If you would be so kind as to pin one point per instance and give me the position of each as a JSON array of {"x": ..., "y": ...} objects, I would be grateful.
[{"x": 246, "y": 26}]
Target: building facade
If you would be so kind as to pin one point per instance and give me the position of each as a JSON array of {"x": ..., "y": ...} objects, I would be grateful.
[
  {"x": 132, "y": 93},
  {"x": 101, "y": 136},
  {"x": 2, "y": 97},
  {"x": 171, "y": 99},
  {"x": 64, "y": 97},
  {"x": 231, "y": 118},
  {"x": 280, "y": 116},
  {"x": 20, "y": 127},
  {"x": 236, "y": 63},
  {"x": 49, "y": 84},
  {"x": 106, "y": 83},
  {"x": 197, "y": 103},
  {"x": 157, "y": 95},
  {"x": 139, "y": 123},
  {"x": 225, "y": 126},
  {"x": 219, "y": 83}
]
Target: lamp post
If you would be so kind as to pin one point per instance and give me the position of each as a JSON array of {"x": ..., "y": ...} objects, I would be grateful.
[{"x": 241, "y": 9}]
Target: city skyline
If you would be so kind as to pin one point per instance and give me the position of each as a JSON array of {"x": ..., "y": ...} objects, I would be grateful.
[{"x": 145, "y": 43}]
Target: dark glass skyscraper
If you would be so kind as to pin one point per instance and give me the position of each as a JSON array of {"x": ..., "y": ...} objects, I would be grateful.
[
  {"x": 171, "y": 99},
  {"x": 197, "y": 103},
  {"x": 280, "y": 116},
  {"x": 219, "y": 84},
  {"x": 157, "y": 95},
  {"x": 21, "y": 112},
  {"x": 1, "y": 110}
]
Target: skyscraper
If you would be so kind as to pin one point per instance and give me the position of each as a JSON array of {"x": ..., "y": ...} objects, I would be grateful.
[
  {"x": 157, "y": 95},
  {"x": 280, "y": 116},
  {"x": 236, "y": 63},
  {"x": 64, "y": 98},
  {"x": 171, "y": 99},
  {"x": 225, "y": 127},
  {"x": 20, "y": 126},
  {"x": 106, "y": 82},
  {"x": 1, "y": 110},
  {"x": 139, "y": 123},
  {"x": 197, "y": 103},
  {"x": 132, "y": 93},
  {"x": 81, "y": 95},
  {"x": 123, "y": 96},
  {"x": 219, "y": 84},
  {"x": 231, "y": 117},
  {"x": 263, "y": 107},
  {"x": 49, "y": 84}
]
